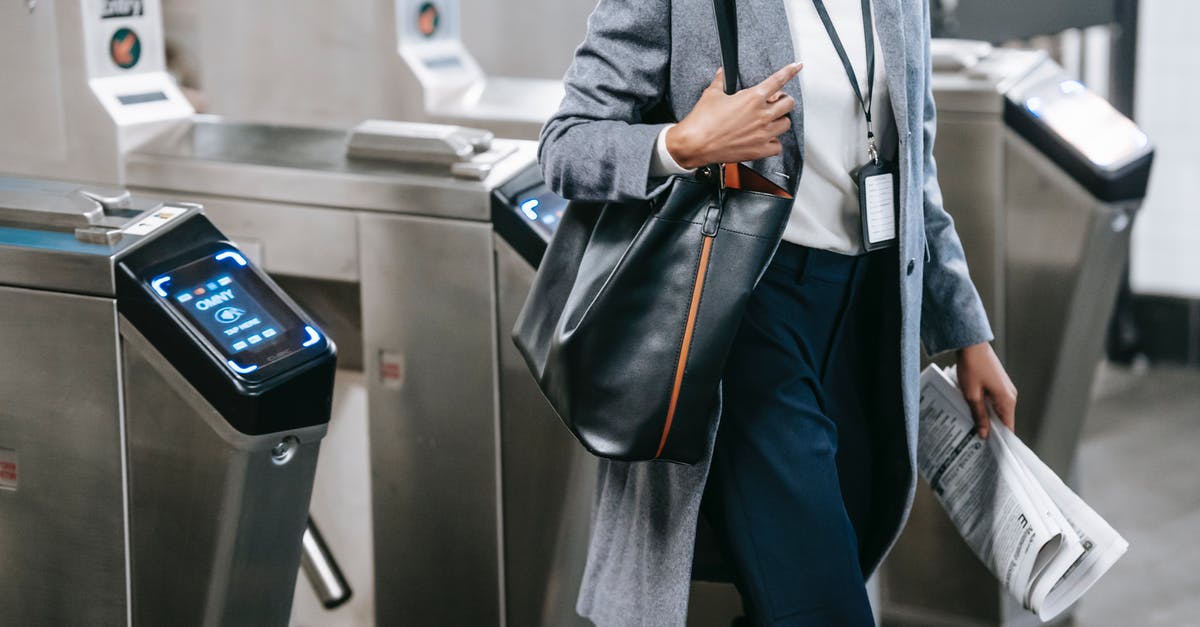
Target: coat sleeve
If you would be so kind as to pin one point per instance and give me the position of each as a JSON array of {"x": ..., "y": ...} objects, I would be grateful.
[
  {"x": 952, "y": 314},
  {"x": 598, "y": 147}
]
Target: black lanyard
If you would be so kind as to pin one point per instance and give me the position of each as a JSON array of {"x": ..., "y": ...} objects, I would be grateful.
[{"x": 869, "y": 38}]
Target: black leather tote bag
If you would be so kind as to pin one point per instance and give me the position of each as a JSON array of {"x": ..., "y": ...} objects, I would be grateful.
[{"x": 636, "y": 305}]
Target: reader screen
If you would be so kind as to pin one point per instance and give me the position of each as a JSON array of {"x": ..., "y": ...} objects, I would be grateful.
[
  {"x": 226, "y": 311},
  {"x": 1087, "y": 122},
  {"x": 543, "y": 208},
  {"x": 227, "y": 302}
]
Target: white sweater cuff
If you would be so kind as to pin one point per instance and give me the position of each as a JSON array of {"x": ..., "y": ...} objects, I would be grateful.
[{"x": 662, "y": 163}]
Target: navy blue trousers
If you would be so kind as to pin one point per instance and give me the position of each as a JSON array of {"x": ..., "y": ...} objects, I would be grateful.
[{"x": 789, "y": 492}]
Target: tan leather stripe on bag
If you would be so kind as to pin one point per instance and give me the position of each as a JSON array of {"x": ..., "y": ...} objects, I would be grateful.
[{"x": 697, "y": 290}]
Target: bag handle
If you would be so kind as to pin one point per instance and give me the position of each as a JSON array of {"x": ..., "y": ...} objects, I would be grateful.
[{"x": 726, "y": 13}]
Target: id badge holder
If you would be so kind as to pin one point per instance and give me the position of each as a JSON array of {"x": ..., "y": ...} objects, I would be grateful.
[{"x": 877, "y": 204}]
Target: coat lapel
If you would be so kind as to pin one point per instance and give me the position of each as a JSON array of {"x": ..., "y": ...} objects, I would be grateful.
[
  {"x": 889, "y": 27},
  {"x": 765, "y": 45}
]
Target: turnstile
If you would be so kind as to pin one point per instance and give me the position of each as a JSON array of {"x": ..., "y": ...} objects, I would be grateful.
[
  {"x": 1043, "y": 179},
  {"x": 475, "y": 501},
  {"x": 161, "y": 407}
]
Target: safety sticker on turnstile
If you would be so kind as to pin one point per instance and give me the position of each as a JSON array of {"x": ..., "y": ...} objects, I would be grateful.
[
  {"x": 150, "y": 223},
  {"x": 8, "y": 469},
  {"x": 391, "y": 370}
]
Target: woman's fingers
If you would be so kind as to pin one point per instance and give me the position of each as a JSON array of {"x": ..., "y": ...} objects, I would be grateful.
[
  {"x": 776, "y": 81},
  {"x": 975, "y": 399},
  {"x": 779, "y": 126},
  {"x": 781, "y": 107},
  {"x": 1005, "y": 402},
  {"x": 741, "y": 127}
]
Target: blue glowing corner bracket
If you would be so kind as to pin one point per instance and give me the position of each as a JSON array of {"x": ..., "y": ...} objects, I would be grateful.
[
  {"x": 313, "y": 336},
  {"x": 528, "y": 208},
  {"x": 158, "y": 284},
  {"x": 231, "y": 254},
  {"x": 233, "y": 365}
]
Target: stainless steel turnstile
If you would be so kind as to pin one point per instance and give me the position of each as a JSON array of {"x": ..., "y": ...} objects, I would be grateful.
[
  {"x": 478, "y": 493},
  {"x": 161, "y": 408},
  {"x": 1043, "y": 179},
  {"x": 479, "y": 499}
]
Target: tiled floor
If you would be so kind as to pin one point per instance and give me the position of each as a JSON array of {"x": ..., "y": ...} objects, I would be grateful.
[{"x": 1140, "y": 467}]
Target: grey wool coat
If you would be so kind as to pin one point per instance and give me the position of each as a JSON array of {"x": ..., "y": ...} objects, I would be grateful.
[{"x": 644, "y": 63}]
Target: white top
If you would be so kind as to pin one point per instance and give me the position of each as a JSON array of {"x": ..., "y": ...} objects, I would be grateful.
[{"x": 826, "y": 214}]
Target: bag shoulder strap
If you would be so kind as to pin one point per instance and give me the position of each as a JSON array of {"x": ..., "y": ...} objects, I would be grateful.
[{"x": 726, "y": 12}]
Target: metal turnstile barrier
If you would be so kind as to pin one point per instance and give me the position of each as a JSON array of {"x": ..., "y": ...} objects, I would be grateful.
[
  {"x": 162, "y": 403},
  {"x": 419, "y": 268},
  {"x": 1043, "y": 179},
  {"x": 443, "y": 473}
]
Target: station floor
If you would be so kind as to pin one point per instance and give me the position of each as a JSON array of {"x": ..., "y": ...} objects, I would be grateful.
[{"x": 1139, "y": 466}]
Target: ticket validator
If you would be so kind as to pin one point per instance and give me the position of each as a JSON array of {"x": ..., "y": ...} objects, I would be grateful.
[{"x": 161, "y": 407}]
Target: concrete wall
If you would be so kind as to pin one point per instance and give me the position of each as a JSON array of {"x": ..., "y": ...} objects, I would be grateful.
[{"x": 533, "y": 38}]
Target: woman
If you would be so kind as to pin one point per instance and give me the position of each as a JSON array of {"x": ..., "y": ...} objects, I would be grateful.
[{"x": 811, "y": 473}]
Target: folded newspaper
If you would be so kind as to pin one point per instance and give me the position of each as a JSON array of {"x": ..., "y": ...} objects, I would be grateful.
[{"x": 1044, "y": 544}]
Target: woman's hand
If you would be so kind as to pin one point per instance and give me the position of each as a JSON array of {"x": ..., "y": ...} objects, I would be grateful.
[
  {"x": 728, "y": 129},
  {"x": 983, "y": 380}
]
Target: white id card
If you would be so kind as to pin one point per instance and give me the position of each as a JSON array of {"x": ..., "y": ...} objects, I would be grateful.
[
  {"x": 881, "y": 218},
  {"x": 877, "y": 204}
]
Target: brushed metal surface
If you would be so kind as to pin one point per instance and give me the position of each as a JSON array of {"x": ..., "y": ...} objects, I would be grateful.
[
  {"x": 549, "y": 480},
  {"x": 298, "y": 240},
  {"x": 308, "y": 166},
  {"x": 54, "y": 259},
  {"x": 216, "y": 523},
  {"x": 427, "y": 289},
  {"x": 1066, "y": 256},
  {"x": 62, "y": 531}
]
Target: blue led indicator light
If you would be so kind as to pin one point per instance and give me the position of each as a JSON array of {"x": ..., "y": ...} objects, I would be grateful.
[
  {"x": 158, "y": 284},
  {"x": 528, "y": 207},
  {"x": 1034, "y": 106},
  {"x": 230, "y": 254},
  {"x": 313, "y": 337},
  {"x": 240, "y": 369}
]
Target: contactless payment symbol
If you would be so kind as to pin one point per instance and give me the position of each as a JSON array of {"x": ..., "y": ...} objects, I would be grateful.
[
  {"x": 227, "y": 315},
  {"x": 125, "y": 48},
  {"x": 428, "y": 19}
]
